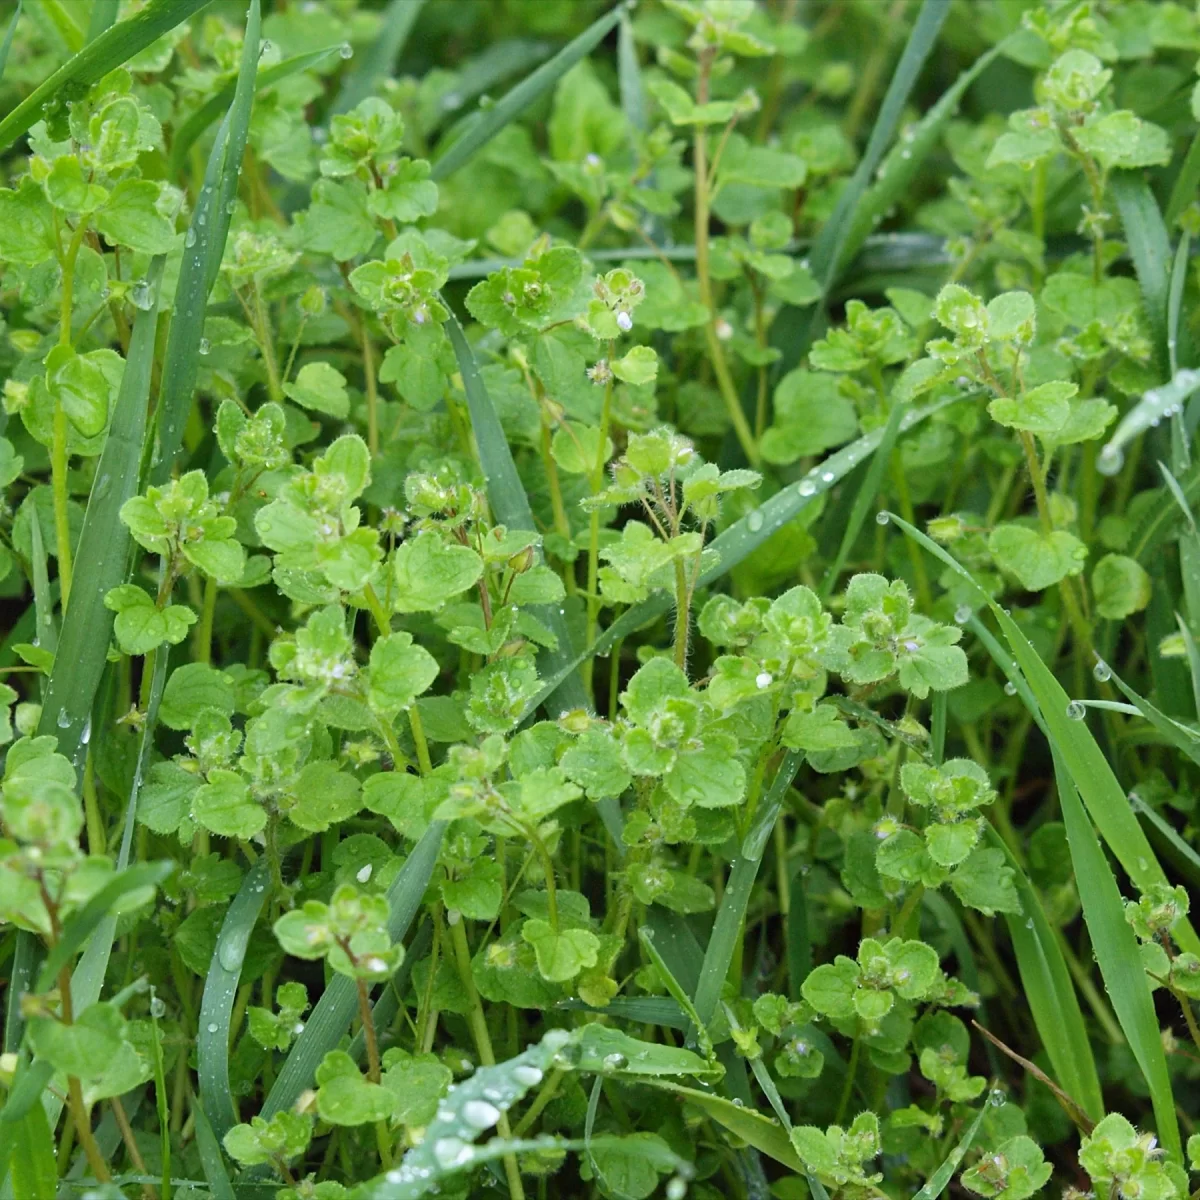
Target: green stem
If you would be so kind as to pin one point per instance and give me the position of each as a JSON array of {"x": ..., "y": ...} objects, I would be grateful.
[
  {"x": 593, "y": 562},
  {"x": 483, "y": 1044},
  {"x": 263, "y": 322},
  {"x": 683, "y": 618},
  {"x": 848, "y": 1086},
  {"x": 202, "y": 645}
]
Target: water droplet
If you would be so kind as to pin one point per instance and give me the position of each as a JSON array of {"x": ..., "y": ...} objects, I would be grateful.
[
  {"x": 230, "y": 206},
  {"x": 997, "y": 1098},
  {"x": 205, "y": 345},
  {"x": 807, "y": 487},
  {"x": 527, "y": 1075},
  {"x": 962, "y": 614},
  {"x": 1102, "y": 671},
  {"x": 1010, "y": 688},
  {"x": 139, "y": 295},
  {"x": 451, "y": 1151},
  {"x": 1110, "y": 460},
  {"x": 86, "y": 735},
  {"x": 63, "y": 719},
  {"x": 754, "y": 522},
  {"x": 212, "y": 1027},
  {"x": 480, "y": 1114},
  {"x": 363, "y": 873},
  {"x": 882, "y": 518},
  {"x": 615, "y": 1062},
  {"x": 189, "y": 238},
  {"x": 826, "y": 476},
  {"x": 763, "y": 680},
  {"x": 158, "y": 1009},
  {"x": 1076, "y": 710},
  {"x": 346, "y": 50},
  {"x": 676, "y": 1189}
]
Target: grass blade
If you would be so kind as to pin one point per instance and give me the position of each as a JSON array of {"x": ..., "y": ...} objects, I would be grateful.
[
  {"x": 216, "y": 1004},
  {"x": 752, "y": 1127},
  {"x": 339, "y": 1002},
  {"x": 745, "y": 536},
  {"x": 102, "y": 560},
  {"x": 20, "y": 980},
  {"x": 113, "y": 47},
  {"x": 1175, "y": 327},
  {"x": 487, "y": 124},
  {"x": 211, "y": 1160},
  {"x": 103, "y": 17},
  {"x": 1118, "y": 956},
  {"x": 34, "y": 1170},
  {"x": 202, "y": 259},
  {"x": 629, "y": 76},
  {"x": 6, "y": 45},
  {"x": 1185, "y": 740},
  {"x": 381, "y": 55},
  {"x": 828, "y": 249},
  {"x": 1050, "y": 993},
  {"x": 864, "y": 498},
  {"x": 1150, "y": 249},
  {"x": 80, "y": 926},
  {"x": 898, "y": 170},
  {"x": 727, "y": 927},
  {"x": 1186, "y": 183},
  {"x": 1154, "y": 405},
  {"x": 218, "y": 103},
  {"x": 941, "y": 1177},
  {"x": 1185, "y": 855},
  {"x": 1082, "y": 757}
]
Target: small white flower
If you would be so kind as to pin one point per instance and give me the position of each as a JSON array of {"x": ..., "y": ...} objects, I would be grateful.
[
  {"x": 377, "y": 965},
  {"x": 625, "y": 321}
]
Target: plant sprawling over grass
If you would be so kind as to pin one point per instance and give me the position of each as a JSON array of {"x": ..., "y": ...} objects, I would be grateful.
[{"x": 599, "y": 602}]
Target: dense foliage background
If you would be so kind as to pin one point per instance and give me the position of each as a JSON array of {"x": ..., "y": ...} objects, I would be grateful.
[{"x": 599, "y": 601}]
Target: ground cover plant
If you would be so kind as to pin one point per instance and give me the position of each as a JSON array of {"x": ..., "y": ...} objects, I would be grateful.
[{"x": 599, "y": 601}]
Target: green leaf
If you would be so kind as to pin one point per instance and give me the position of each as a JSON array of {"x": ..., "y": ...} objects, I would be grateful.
[
  {"x": 562, "y": 955},
  {"x": 140, "y": 626},
  {"x": 224, "y": 805},
  {"x": 34, "y": 1169},
  {"x": 430, "y": 571},
  {"x": 320, "y": 388},
  {"x": 344, "y": 1097},
  {"x": 1121, "y": 587},
  {"x": 131, "y": 218},
  {"x": 1042, "y": 410},
  {"x": 1038, "y": 560}
]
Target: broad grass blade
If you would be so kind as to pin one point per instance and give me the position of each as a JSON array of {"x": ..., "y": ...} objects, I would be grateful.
[
  {"x": 1186, "y": 182},
  {"x": 6, "y": 45},
  {"x": 102, "y": 560},
  {"x": 1118, "y": 957},
  {"x": 381, "y": 55},
  {"x": 94, "y": 61},
  {"x": 481, "y": 131},
  {"x": 1150, "y": 249},
  {"x": 218, "y": 103},
  {"x": 727, "y": 928},
  {"x": 34, "y": 1168},
  {"x": 211, "y": 1159},
  {"x": 1050, "y": 993},
  {"x": 20, "y": 980},
  {"x": 1082, "y": 758},
  {"x": 202, "y": 260},
  {"x": 103, "y": 17},
  {"x": 752, "y": 1127},
  {"x": 629, "y": 76},
  {"x": 216, "y": 1004},
  {"x": 335, "y": 1010}
]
